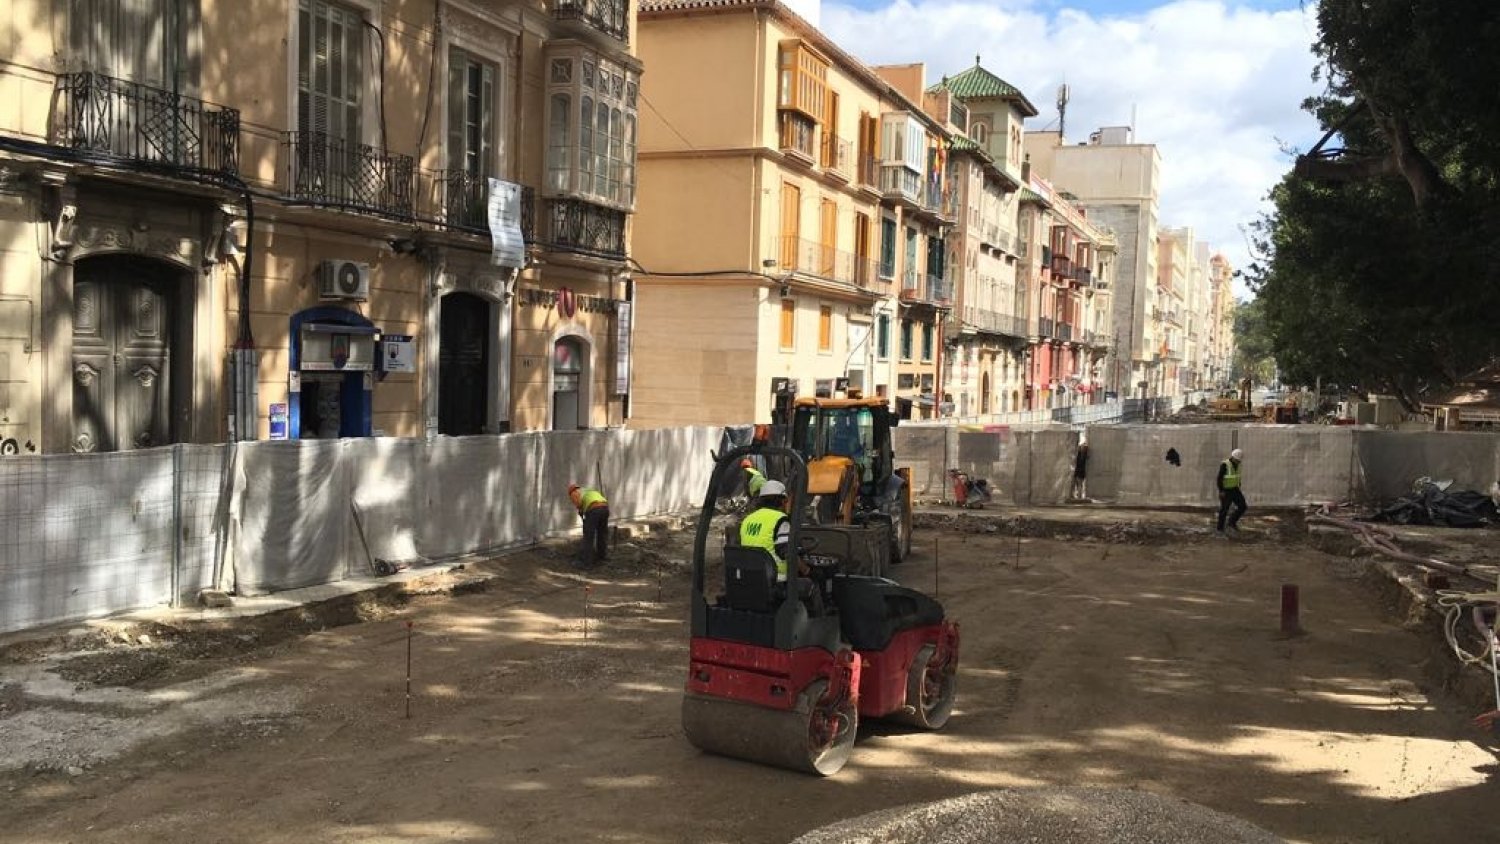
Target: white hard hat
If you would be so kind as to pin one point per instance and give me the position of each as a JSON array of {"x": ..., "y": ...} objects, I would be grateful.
[
  {"x": 770, "y": 488},
  {"x": 1237, "y": 455}
]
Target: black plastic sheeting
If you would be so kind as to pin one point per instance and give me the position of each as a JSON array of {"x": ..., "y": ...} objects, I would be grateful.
[{"x": 1432, "y": 505}]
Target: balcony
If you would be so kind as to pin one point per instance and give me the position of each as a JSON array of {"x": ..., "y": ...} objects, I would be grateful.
[
  {"x": 336, "y": 173},
  {"x": 149, "y": 126},
  {"x": 835, "y": 155},
  {"x": 582, "y": 228},
  {"x": 901, "y": 185},
  {"x": 917, "y": 287},
  {"x": 1062, "y": 268},
  {"x": 610, "y": 17},
  {"x": 809, "y": 257},
  {"x": 994, "y": 322},
  {"x": 1044, "y": 327},
  {"x": 1064, "y": 332},
  {"x": 1085, "y": 276}
]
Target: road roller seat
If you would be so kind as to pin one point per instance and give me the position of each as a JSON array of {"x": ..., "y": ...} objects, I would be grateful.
[
  {"x": 749, "y": 579},
  {"x": 874, "y": 609}
]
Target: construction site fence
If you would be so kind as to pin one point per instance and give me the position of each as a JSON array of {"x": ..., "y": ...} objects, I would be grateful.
[
  {"x": 1126, "y": 410},
  {"x": 1128, "y": 465},
  {"x": 83, "y": 536}
]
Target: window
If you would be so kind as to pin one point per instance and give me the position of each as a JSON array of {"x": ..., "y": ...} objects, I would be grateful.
[
  {"x": 797, "y": 132},
  {"x": 911, "y": 270},
  {"x": 927, "y": 334},
  {"x": 145, "y": 41},
  {"x": 980, "y": 132},
  {"x": 788, "y": 324},
  {"x": 591, "y": 127},
  {"x": 825, "y": 329},
  {"x": 471, "y": 115},
  {"x": 883, "y": 336},
  {"x": 330, "y": 46},
  {"x": 828, "y": 236},
  {"x": 887, "y": 247},
  {"x": 803, "y": 80},
  {"x": 906, "y": 339}
]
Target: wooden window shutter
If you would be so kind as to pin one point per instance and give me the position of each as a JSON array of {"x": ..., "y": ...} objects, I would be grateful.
[
  {"x": 788, "y": 324},
  {"x": 487, "y": 122},
  {"x": 458, "y": 63}
]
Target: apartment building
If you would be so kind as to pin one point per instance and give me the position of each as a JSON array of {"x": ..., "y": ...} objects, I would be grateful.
[
  {"x": 1066, "y": 276},
  {"x": 1220, "y": 321},
  {"x": 1169, "y": 314},
  {"x": 195, "y": 251},
  {"x": 1118, "y": 184},
  {"x": 986, "y": 334},
  {"x": 792, "y": 220}
]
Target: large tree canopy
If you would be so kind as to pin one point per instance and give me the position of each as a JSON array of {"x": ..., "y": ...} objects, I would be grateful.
[{"x": 1380, "y": 259}]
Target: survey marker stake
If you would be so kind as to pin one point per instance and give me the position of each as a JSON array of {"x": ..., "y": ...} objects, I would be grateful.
[
  {"x": 587, "y": 591},
  {"x": 408, "y": 670},
  {"x": 934, "y": 567}
]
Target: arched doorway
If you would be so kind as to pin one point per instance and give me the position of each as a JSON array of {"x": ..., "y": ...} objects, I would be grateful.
[
  {"x": 984, "y": 393},
  {"x": 124, "y": 334},
  {"x": 463, "y": 364},
  {"x": 569, "y": 377}
]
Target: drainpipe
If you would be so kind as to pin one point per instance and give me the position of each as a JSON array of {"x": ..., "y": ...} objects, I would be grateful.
[{"x": 244, "y": 368}]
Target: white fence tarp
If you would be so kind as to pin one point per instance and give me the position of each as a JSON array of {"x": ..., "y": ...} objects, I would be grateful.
[{"x": 88, "y": 535}]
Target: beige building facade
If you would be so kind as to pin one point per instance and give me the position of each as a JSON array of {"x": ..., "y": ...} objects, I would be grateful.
[
  {"x": 195, "y": 253},
  {"x": 790, "y": 232}
]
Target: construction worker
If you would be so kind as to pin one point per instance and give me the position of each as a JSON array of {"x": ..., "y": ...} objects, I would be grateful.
[
  {"x": 754, "y": 480},
  {"x": 1228, "y": 482},
  {"x": 768, "y": 527},
  {"x": 594, "y": 510}
]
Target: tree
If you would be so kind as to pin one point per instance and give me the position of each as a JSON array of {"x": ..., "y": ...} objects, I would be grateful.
[
  {"x": 1380, "y": 258},
  {"x": 1252, "y": 343}
]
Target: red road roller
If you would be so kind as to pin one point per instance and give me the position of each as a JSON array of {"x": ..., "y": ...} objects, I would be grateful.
[{"x": 782, "y": 671}]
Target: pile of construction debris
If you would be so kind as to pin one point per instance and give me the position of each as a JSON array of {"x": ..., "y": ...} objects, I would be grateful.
[{"x": 1436, "y": 503}]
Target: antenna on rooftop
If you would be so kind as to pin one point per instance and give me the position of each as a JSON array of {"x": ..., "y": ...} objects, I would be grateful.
[{"x": 1062, "y": 111}]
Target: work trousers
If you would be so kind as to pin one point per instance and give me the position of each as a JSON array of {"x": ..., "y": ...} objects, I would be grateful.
[
  {"x": 595, "y": 535},
  {"x": 1232, "y": 497}
]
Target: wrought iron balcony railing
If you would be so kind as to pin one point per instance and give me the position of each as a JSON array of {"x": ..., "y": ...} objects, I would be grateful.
[
  {"x": 611, "y": 17},
  {"x": 835, "y": 155},
  {"x": 810, "y": 257},
  {"x": 1064, "y": 331},
  {"x": 581, "y": 227},
  {"x": 147, "y": 125},
  {"x": 939, "y": 290},
  {"x": 911, "y": 284},
  {"x": 900, "y": 184},
  {"x": 797, "y": 134},
  {"x": 869, "y": 172},
  {"x": 1044, "y": 327},
  {"x": 995, "y": 322},
  {"x": 332, "y": 171},
  {"x": 465, "y": 199}
]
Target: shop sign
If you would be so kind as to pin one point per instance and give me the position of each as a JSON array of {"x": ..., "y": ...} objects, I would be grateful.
[
  {"x": 398, "y": 353},
  {"x": 278, "y": 421},
  {"x": 623, "y": 319}
]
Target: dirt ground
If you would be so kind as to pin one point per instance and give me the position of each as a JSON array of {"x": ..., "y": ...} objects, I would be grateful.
[{"x": 1141, "y": 664}]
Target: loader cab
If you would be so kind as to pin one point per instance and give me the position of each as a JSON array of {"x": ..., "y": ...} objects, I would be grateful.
[{"x": 858, "y": 430}]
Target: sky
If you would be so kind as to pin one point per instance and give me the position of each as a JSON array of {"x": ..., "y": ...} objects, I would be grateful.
[{"x": 1217, "y": 85}]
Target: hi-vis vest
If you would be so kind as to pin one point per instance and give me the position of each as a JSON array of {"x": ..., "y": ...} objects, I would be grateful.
[
  {"x": 754, "y": 481},
  {"x": 758, "y": 530},
  {"x": 589, "y": 499},
  {"x": 1231, "y": 475}
]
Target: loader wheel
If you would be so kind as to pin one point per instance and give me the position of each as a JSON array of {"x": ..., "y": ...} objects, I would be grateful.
[{"x": 930, "y": 691}]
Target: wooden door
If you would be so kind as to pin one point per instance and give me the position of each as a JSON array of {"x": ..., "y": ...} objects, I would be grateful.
[
  {"x": 122, "y": 350},
  {"x": 463, "y": 364}
]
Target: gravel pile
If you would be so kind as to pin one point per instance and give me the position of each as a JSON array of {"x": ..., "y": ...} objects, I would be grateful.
[{"x": 1045, "y": 816}]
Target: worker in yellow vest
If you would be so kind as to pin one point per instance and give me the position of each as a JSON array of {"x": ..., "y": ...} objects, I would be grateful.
[
  {"x": 754, "y": 480},
  {"x": 594, "y": 510},
  {"x": 1230, "y": 493},
  {"x": 769, "y": 527}
]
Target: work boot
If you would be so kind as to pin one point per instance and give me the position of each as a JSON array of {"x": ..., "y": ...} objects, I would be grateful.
[
  {"x": 1219, "y": 534},
  {"x": 1234, "y": 531}
]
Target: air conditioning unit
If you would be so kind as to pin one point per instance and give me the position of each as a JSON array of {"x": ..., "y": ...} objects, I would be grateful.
[{"x": 344, "y": 280}]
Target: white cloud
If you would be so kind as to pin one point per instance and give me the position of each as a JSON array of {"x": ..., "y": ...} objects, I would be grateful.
[{"x": 1215, "y": 85}]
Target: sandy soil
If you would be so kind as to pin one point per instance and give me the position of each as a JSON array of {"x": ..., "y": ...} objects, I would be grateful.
[{"x": 1150, "y": 666}]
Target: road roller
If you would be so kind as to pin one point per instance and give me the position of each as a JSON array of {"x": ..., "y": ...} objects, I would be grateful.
[{"x": 782, "y": 671}]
